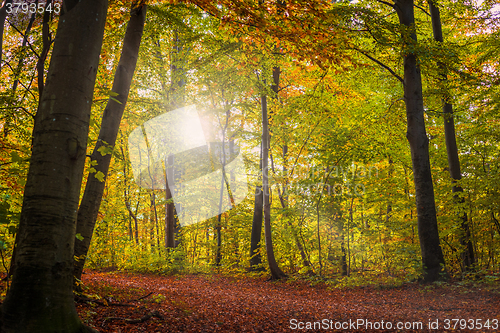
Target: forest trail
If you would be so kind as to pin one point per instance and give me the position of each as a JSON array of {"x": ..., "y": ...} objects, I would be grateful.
[{"x": 208, "y": 303}]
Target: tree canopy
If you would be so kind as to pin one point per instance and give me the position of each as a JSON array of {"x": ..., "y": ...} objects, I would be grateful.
[{"x": 370, "y": 127}]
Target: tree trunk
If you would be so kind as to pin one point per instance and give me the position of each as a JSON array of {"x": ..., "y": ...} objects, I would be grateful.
[
  {"x": 276, "y": 272},
  {"x": 3, "y": 16},
  {"x": 283, "y": 195},
  {"x": 256, "y": 259},
  {"x": 467, "y": 251},
  {"x": 156, "y": 221},
  {"x": 432, "y": 255},
  {"x": 40, "y": 64},
  {"x": 389, "y": 204},
  {"x": 23, "y": 54},
  {"x": 169, "y": 206},
  {"x": 218, "y": 235},
  {"x": 111, "y": 118},
  {"x": 152, "y": 219},
  {"x": 343, "y": 258},
  {"x": 177, "y": 91},
  {"x": 41, "y": 296}
]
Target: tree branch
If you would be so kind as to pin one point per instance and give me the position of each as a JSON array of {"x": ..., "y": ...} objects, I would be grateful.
[
  {"x": 386, "y": 3},
  {"x": 381, "y": 64},
  {"x": 422, "y": 9},
  {"x": 136, "y": 321}
]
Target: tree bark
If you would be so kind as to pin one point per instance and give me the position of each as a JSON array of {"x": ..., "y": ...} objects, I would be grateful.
[
  {"x": 467, "y": 251},
  {"x": 432, "y": 255},
  {"x": 41, "y": 296},
  {"x": 111, "y": 118}
]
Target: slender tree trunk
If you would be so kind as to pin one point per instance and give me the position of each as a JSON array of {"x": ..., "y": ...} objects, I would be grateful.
[
  {"x": 318, "y": 234},
  {"x": 343, "y": 258},
  {"x": 152, "y": 219},
  {"x": 276, "y": 272},
  {"x": 136, "y": 223},
  {"x": 3, "y": 16},
  {"x": 349, "y": 233},
  {"x": 218, "y": 249},
  {"x": 169, "y": 207},
  {"x": 40, "y": 71},
  {"x": 223, "y": 181},
  {"x": 389, "y": 204},
  {"x": 467, "y": 251},
  {"x": 432, "y": 255},
  {"x": 156, "y": 221},
  {"x": 23, "y": 53},
  {"x": 111, "y": 118},
  {"x": 40, "y": 64},
  {"x": 177, "y": 91},
  {"x": 17, "y": 72},
  {"x": 255, "y": 238},
  {"x": 126, "y": 191},
  {"x": 284, "y": 204},
  {"x": 41, "y": 295}
]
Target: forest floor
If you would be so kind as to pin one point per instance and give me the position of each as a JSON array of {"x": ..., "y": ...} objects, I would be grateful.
[{"x": 131, "y": 302}]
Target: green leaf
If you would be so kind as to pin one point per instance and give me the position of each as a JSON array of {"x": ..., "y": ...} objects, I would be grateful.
[
  {"x": 79, "y": 237},
  {"x": 114, "y": 99},
  {"x": 15, "y": 157},
  {"x": 99, "y": 176},
  {"x": 105, "y": 150}
]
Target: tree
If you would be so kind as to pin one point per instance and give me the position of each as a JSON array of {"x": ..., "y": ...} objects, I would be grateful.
[
  {"x": 101, "y": 155},
  {"x": 255, "y": 236},
  {"x": 467, "y": 251},
  {"x": 432, "y": 255},
  {"x": 177, "y": 91},
  {"x": 41, "y": 296},
  {"x": 276, "y": 272}
]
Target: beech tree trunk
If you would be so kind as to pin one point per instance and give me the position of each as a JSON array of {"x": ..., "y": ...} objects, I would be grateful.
[
  {"x": 256, "y": 259},
  {"x": 258, "y": 211},
  {"x": 467, "y": 250},
  {"x": 169, "y": 205},
  {"x": 41, "y": 295},
  {"x": 177, "y": 92},
  {"x": 432, "y": 255},
  {"x": 276, "y": 272},
  {"x": 111, "y": 118}
]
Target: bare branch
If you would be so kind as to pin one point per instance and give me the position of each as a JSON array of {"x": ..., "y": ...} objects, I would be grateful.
[
  {"x": 422, "y": 9},
  {"x": 382, "y": 64},
  {"x": 386, "y": 3}
]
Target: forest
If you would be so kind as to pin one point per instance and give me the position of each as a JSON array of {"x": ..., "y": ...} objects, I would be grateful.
[{"x": 344, "y": 151}]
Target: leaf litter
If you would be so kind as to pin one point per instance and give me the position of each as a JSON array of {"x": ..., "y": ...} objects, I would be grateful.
[{"x": 216, "y": 303}]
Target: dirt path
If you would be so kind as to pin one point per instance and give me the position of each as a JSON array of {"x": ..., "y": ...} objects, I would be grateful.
[{"x": 221, "y": 304}]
